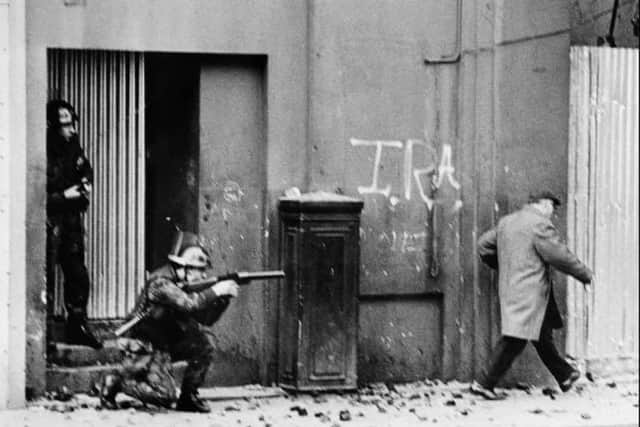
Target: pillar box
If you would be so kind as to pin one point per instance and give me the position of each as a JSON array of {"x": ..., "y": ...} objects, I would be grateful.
[{"x": 318, "y": 306}]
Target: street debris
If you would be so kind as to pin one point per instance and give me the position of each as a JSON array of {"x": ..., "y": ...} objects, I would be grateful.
[
  {"x": 345, "y": 415},
  {"x": 63, "y": 394},
  {"x": 377, "y": 404},
  {"x": 548, "y": 391},
  {"x": 300, "y": 410},
  {"x": 524, "y": 387}
]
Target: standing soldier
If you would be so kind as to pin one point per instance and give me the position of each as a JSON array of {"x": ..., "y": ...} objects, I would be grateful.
[
  {"x": 170, "y": 330},
  {"x": 69, "y": 179},
  {"x": 523, "y": 248}
]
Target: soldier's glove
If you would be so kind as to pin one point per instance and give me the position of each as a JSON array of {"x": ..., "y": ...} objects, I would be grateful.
[{"x": 226, "y": 287}]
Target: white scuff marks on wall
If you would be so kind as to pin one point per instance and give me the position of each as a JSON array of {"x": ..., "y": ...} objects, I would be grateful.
[{"x": 232, "y": 192}]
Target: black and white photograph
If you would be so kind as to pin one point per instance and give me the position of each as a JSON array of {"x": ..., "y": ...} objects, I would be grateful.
[{"x": 298, "y": 213}]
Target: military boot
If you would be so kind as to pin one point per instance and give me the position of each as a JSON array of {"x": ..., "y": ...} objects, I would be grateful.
[
  {"x": 78, "y": 332},
  {"x": 110, "y": 385},
  {"x": 190, "y": 402}
]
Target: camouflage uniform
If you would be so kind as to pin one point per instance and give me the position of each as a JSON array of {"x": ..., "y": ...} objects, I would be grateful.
[{"x": 172, "y": 331}]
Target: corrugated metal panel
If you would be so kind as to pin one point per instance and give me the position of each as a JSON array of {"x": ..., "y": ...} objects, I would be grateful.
[
  {"x": 107, "y": 89},
  {"x": 603, "y": 213}
]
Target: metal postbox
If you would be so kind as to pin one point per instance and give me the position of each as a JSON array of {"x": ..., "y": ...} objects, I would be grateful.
[{"x": 318, "y": 309}]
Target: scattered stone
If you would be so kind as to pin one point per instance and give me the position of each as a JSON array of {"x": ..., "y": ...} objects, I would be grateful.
[
  {"x": 537, "y": 411},
  {"x": 324, "y": 419},
  {"x": 450, "y": 403},
  {"x": 548, "y": 391},
  {"x": 414, "y": 396},
  {"x": 524, "y": 387},
  {"x": 378, "y": 388},
  {"x": 585, "y": 416},
  {"x": 231, "y": 408},
  {"x": 345, "y": 415},
  {"x": 457, "y": 395},
  {"x": 465, "y": 412},
  {"x": 62, "y": 394},
  {"x": 589, "y": 376},
  {"x": 381, "y": 409},
  {"x": 320, "y": 399},
  {"x": 300, "y": 410},
  {"x": 612, "y": 384},
  {"x": 94, "y": 390}
]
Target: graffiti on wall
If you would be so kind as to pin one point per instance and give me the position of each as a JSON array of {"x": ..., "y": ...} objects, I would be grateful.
[{"x": 432, "y": 172}]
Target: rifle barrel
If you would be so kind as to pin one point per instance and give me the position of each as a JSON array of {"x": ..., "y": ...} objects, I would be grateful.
[{"x": 245, "y": 277}]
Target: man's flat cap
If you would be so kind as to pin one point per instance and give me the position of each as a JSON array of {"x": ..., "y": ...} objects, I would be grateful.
[{"x": 545, "y": 194}]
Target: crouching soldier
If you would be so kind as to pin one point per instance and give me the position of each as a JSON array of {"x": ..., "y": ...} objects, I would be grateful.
[{"x": 170, "y": 330}]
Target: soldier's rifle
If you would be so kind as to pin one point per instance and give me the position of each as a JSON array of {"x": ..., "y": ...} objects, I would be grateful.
[{"x": 242, "y": 278}]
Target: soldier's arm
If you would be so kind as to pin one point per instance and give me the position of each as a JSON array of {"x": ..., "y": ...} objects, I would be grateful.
[
  {"x": 84, "y": 167},
  {"x": 55, "y": 194},
  {"x": 488, "y": 248},
  {"x": 55, "y": 200},
  {"x": 551, "y": 249},
  {"x": 165, "y": 292}
]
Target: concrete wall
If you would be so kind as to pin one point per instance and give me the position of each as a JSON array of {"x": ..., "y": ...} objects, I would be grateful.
[
  {"x": 494, "y": 123},
  {"x": 12, "y": 204},
  {"x": 591, "y": 19},
  {"x": 276, "y": 29}
]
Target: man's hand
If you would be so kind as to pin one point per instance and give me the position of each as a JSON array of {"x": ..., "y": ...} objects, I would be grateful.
[
  {"x": 226, "y": 287},
  {"x": 85, "y": 187},
  {"x": 72, "y": 192}
]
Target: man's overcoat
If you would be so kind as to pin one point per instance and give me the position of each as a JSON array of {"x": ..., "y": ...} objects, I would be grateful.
[{"x": 523, "y": 247}]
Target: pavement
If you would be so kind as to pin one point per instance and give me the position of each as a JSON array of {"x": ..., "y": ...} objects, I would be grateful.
[{"x": 599, "y": 403}]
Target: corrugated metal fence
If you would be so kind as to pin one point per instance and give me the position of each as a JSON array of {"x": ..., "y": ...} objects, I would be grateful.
[
  {"x": 603, "y": 212},
  {"x": 107, "y": 90}
]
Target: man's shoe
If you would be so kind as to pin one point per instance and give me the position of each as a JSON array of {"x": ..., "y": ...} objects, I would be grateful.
[
  {"x": 108, "y": 390},
  {"x": 480, "y": 390},
  {"x": 192, "y": 403},
  {"x": 566, "y": 385},
  {"x": 81, "y": 335}
]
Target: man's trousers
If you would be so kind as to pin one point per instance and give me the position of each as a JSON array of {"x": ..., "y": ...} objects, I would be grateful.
[{"x": 508, "y": 348}]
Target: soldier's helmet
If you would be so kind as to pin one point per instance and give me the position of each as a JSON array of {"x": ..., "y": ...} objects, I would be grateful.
[{"x": 188, "y": 251}]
